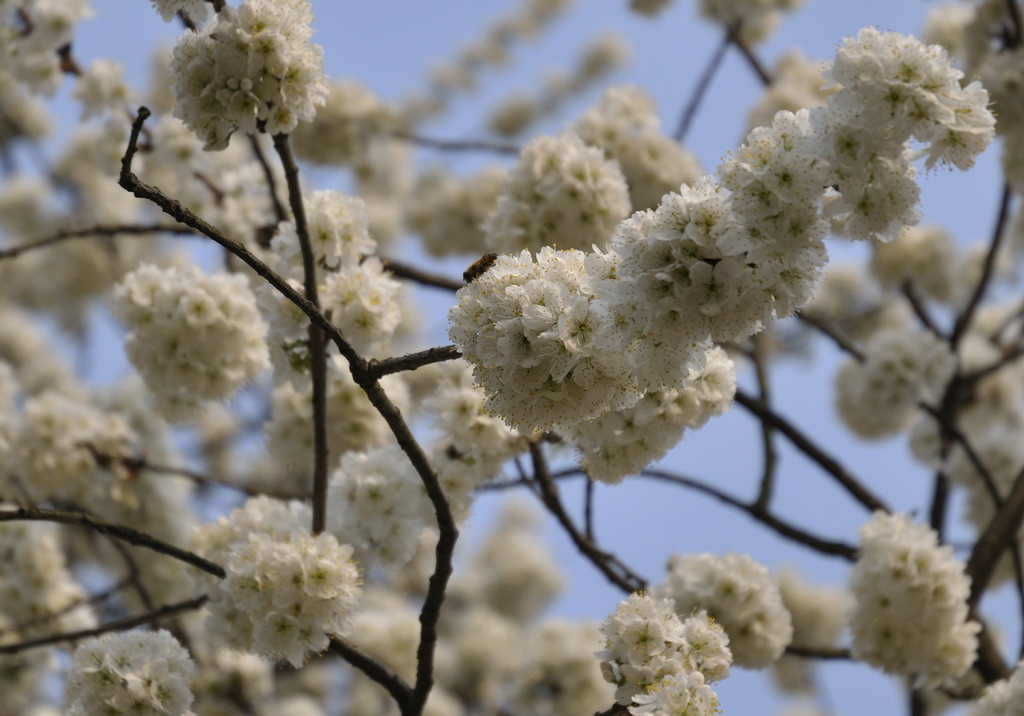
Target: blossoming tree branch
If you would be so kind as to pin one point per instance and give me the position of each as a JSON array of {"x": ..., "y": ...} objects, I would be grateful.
[{"x": 264, "y": 517}]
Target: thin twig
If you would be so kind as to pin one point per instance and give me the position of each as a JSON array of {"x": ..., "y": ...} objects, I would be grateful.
[
  {"x": 963, "y": 321},
  {"x": 908, "y": 291},
  {"x": 827, "y": 330},
  {"x": 317, "y": 342},
  {"x": 755, "y": 63},
  {"x": 825, "y": 653},
  {"x": 134, "y": 575},
  {"x": 101, "y": 231},
  {"x": 783, "y": 528},
  {"x": 699, "y": 90},
  {"x": 588, "y": 510},
  {"x": 610, "y": 566},
  {"x": 851, "y": 484},
  {"x": 424, "y": 278},
  {"x": 412, "y": 361},
  {"x": 279, "y": 213},
  {"x": 120, "y": 625},
  {"x": 768, "y": 452},
  {"x": 121, "y": 532},
  {"x": 995, "y": 539},
  {"x": 455, "y": 145},
  {"x": 376, "y": 671}
]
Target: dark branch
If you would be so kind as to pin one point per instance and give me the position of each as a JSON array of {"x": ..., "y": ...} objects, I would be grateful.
[
  {"x": 412, "y": 361},
  {"x": 701, "y": 87},
  {"x": 455, "y": 145},
  {"x": 120, "y": 625},
  {"x": 424, "y": 278},
  {"x": 105, "y": 232},
  {"x": 784, "y": 529},
  {"x": 815, "y": 453},
  {"x": 617, "y": 573},
  {"x": 317, "y": 343},
  {"x": 121, "y": 532},
  {"x": 376, "y": 671},
  {"x": 963, "y": 321}
]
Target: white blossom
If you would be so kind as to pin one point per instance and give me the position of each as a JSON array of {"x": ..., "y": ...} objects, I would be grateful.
[
  {"x": 560, "y": 193},
  {"x": 910, "y": 615},
  {"x": 377, "y": 504},
  {"x": 530, "y": 324},
  {"x": 252, "y": 67},
  {"x": 737, "y": 593},
  {"x": 623, "y": 442},
  {"x": 626, "y": 126},
  {"x": 646, "y": 643},
  {"x": 879, "y": 396},
  {"x": 192, "y": 337},
  {"x": 283, "y": 596},
  {"x": 138, "y": 672}
]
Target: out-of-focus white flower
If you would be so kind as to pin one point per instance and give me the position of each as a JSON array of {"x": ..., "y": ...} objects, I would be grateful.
[{"x": 910, "y": 614}]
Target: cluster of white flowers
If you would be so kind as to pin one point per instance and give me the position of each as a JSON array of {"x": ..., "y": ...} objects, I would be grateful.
[
  {"x": 512, "y": 573},
  {"x": 365, "y": 302},
  {"x": 339, "y": 233},
  {"x": 449, "y": 212},
  {"x": 646, "y": 643},
  {"x": 31, "y": 33},
  {"x": 894, "y": 88},
  {"x": 819, "y": 616},
  {"x": 687, "y": 274},
  {"x": 283, "y": 596},
  {"x": 339, "y": 133},
  {"x": 473, "y": 444},
  {"x": 561, "y": 675},
  {"x": 623, "y": 442},
  {"x": 1003, "y": 698},
  {"x": 721, "y": 259},
  {"x": 24, "y": 116},
  {"x": 59, "y": 448},
  {"x": 529, "y": 330},
  {"x": 250, "y": 68},
  {"x": 626, "y": 126},
  {"x": 902, "y": 367},
  {"x": 262, "y": 514},
  {"x": 136, "y": 672},
  {"x": 518, "y": 111},
  {"x": 562, "y": 193},
  {"x": 910, "y": 613},
  {"x": 754, "y": 20},
  {"x": 377, "y": 504},
  {"x": 37, "y": 590},
  {"x": 924, "y": 257},
  {"x": 192, "y": 337},
  {"x": 681, "y": 693},
  {"x": 739, "y": 594},
  {"x": 102, "y": 89}
]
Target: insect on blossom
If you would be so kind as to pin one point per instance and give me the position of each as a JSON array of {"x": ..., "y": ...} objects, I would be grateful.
[{"x": 479, "y": 267}]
